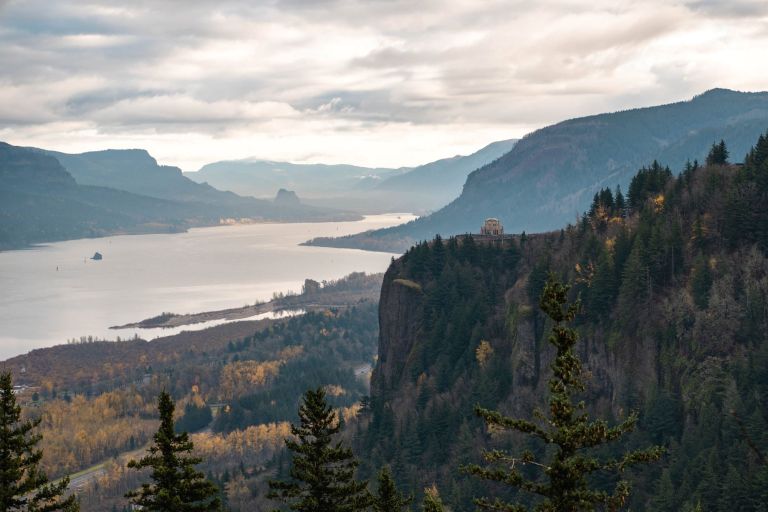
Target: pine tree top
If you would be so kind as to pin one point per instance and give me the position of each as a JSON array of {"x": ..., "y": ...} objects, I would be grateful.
[
  {"x": 177, "y": 486},
  {"x": 323, "y": 472},
  {"x": 388, "y": 498}
]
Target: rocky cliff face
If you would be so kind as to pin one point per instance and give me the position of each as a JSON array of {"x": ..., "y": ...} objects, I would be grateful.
[
  {"x": 287, "y": 197},
  {"x": 400, "y": 321}
]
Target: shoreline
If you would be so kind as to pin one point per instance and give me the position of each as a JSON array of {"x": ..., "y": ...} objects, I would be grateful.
[
  {"x": 167, "y": 229},
  {"x": 354, "y": 287},
  {"x": 170, "y": 320}
]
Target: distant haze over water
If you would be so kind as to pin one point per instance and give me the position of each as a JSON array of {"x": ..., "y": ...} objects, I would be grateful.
[{"x": 141, "y": 276}]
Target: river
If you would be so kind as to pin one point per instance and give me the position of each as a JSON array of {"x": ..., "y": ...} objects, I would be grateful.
[{"x": 53, "y": 293}]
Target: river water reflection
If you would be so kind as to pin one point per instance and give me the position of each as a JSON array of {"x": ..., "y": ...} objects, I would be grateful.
[{"x": 54, "y": 293}]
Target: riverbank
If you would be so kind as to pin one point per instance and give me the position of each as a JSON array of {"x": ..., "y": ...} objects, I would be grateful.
[{"x": 314, "y": 296}]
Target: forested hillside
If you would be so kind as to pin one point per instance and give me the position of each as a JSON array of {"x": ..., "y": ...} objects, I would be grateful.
[
  {"x": 552, "y": 173},
  {"x": 673, "y": 279}
]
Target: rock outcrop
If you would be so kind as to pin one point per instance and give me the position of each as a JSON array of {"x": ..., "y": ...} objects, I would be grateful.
[{"x": 287, "y": 197}]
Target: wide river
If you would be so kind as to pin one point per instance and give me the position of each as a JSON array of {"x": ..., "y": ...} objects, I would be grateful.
[{"x": 53, "y": 293}]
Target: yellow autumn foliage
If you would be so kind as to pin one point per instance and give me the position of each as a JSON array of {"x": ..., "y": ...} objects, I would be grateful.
[
  {"x": 349, "y": 413},
  {"x": 258, "y": 441},
  {"x": 290, "y": 352},
  {"x": 82, "y": 432},
  {"x": 241, "y": 377},
  {"x": 334, "y": 390},
  {"x": 483, "y": 353}
]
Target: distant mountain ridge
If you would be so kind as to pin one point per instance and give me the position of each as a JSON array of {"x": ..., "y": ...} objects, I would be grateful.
[
  {"x": 369, "y": 190},
  {"x": 448, "y": 174},
  {"x": 117, "y": 191},
  {"x": 435, "y": 184},
  {"x": 550, "y": 176},
  {"x": 51, "y": 196},
  {"x": 40, "y": 202},
  {"x": 262, "y": 178},
  {"x": 136, "y": 171},
  {"x": 133, "y": 170}
]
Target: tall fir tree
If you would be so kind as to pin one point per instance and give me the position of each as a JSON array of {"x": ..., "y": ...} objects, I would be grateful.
[
  {"x": 23, "y": 485},
  {"x": 176, "y": 485},
  {"x": 323, "y": 472},
  {"x": 603, "y": 289},
  {"x": 620, "y": 202},
  {"x": 635, "y": 284},
  {"x": 562, "y": 483},
  {"x": 388, "y": 498}
]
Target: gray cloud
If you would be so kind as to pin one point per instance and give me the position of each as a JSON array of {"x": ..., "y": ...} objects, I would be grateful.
[
  {"x": 349, "y": 80},
  {"x": 731, "y": 9}
]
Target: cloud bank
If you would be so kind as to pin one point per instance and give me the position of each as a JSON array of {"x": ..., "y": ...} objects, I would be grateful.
[{"x": 378, "y": 82}]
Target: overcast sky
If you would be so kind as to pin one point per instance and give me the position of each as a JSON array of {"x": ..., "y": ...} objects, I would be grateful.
[{"x": 380, "y": 82}]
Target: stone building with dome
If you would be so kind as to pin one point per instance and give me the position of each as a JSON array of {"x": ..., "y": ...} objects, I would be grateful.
[{"x": 492, "y": 227}]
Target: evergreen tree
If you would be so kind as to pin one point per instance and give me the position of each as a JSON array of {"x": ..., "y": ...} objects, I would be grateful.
[
  {"x": 687, "y": 175},
  {"x": 595, "y": 204},
  {"x": 322, "y": 475},
  {"x": 665, "y": 498},
  {"x": 177, "y": 486},
  {"x": 437, "y": 256},
  {"x": 23, "y": 486},
  {"x": 718, "y": 154},
  {"x": 621, "y": 205},
  {"x": 634, "y": 284},
  {"x": 603, "y": 289},
  {"x": 648, "y": 182},
  {"x": 388, "y": 498},
  {"x": 758, "y": 155},
  {"x": 536, "y": 281},
  {"x": 432, "y": 501},
  {"x": 195, "y": 418},
  {"x": 701, "y": 282},
  {"x": 606, "y": 199},
  {"x": 564, "y": 485}
]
